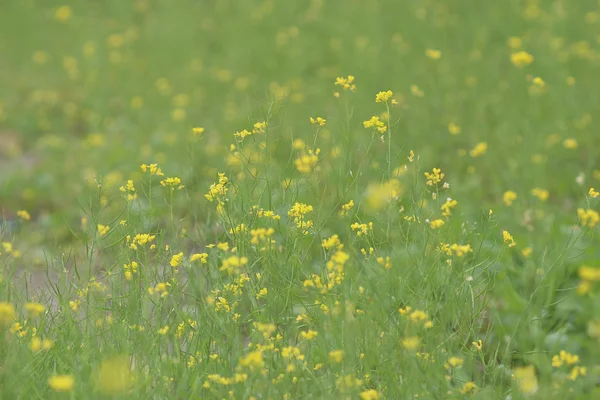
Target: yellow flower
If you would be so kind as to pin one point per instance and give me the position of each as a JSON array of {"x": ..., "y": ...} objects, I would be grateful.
[
  {"x": 376, "y": 123},
  {"x": 309, "y": 335},
  {"x": 521, "y": 58},
  {"x": 203, "y": 257},
  {"x": 479, "y": 149},
  {"x": 593, "y": 193},
  {"x": 456, "y": 362},
  {"x": 318, "y": 121},
  {"x": 336, "y": 356},
  {"x": 414, "y": 89},
  {"x": 508, "y": 238},
  {"x": 370, "y": 394},
  {"x": 468, "y": 387},
  {"x": 63, "y": 13},
  {"x": 114, "y": 376},
  {"x": 242, "y": 134},
  {"x": 129, "y": 189},
  {"x": 411, "y": 343},
  {"x": 172, "y": 183},
  {"x": 346, "y": 83},
  {"x": 197, "y": 131},
  {"x": 103, "y": 230},
  {"x": 34, "y": 309},
  {"x": 436, "y": 223},
  {"x": 434, "y": 177},
  {"x": 541, "y": 194},
  {"x": 176, "y": 259},
  {"x": 298, "y": 212},
  {"x": 453, "y": 128},
  {"x": 38, "y": 344},
  {"x": 478, "y": 344},
  {"x": 307, "y": 161},
  {"x": 152, "y": 168},
  {"x": 589, "y": 273},
  {"x": 526, "y": 379},
  {"x": 380, "y": 195},
  {"x": 589, "y": 218},
  {"x": 7, "y": 313},
  {"x": 383, "y": 97},
  {"x": 576, "y": 372},
  {"x": 570, "y": 143},
  {"x": 526, "y": 252},
  {"x": 164, "y": 330},
  {"x": 262, "y": 293},
  {"x": 448, "y": 206},
  {"x": 253, "y": 360},
  {"x": 508, "y": 197},
  {"x": 259, "y": 127},
  {"x": 433, "y": 54},
  {"x": 539, "y": 82},
  {"x": 24, "y": 215},
  {"x": 61, "y": 383}
]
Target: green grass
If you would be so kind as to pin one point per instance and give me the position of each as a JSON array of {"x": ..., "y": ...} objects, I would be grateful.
[{"x": 277, "y": 313}]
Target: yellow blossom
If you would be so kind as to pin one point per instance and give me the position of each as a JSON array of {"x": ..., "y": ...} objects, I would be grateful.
[
  {"x": 7, "y": 313},
  {"x": 588, "y": 218},
  {"x": 318, "y": 121},
  {"x": 24, "y": 215},
  {"x": 370, "y": 394},
  {"x": 63, "y": 13},
  {"x": 436, "y": 223},
  {"x": 526, "y": 379},
  {"x": 435, "y": 177},
  {"x": 114, "y": 376},
  {"x": 468, "y": 387},
  {"x": 307, "y": 161},
  {"x": 34, "y": 309},
  {"x": 411, "y": 343},
  {"x": 336, "y": 356},
  {"x": 570, "y": 143},
  {"x": 479, "y": 149},
  {"x": 203, "y": 257},
  {"x": 383, "y": 97},
  {"x": 346, "y": 83},
  {"x": 172, "y": 183},
  {"x": 508, "y": 197},
  {"x": 508, "y": 238},
  {"x": 521, "y": 58},
  {"x": 376, "y": 123},
  {"x": 176, "y": 259},
  {"x": 433, "y": 54},
  {"x": 453, "y": 128},
  {"x": 541, "y": 194},
  {"x": 61, "y": 383},
  {"x": 153, "y": 169}
]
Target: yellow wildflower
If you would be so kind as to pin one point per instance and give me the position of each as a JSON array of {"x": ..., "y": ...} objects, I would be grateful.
[
  {"x": 383, "y": 97},
  {"x": 508, "y": 238},
  {"x": 526, "y": 379},
  {"x": 433, "y": 54},
  {"x": 521, "y": 58},
  {"x": 7, "y": 313},
  {"x": 34, "y": 309},
  {"x": 61, "y": 383}
]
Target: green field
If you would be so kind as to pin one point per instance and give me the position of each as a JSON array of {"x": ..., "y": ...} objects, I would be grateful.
[{"x": 319, "y": 199}]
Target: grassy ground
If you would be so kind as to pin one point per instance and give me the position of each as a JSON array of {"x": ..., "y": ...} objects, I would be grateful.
[{"x": 434, "y": 241}]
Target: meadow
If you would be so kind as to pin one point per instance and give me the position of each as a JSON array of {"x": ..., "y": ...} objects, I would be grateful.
[{"x": 260, "y": 199}]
